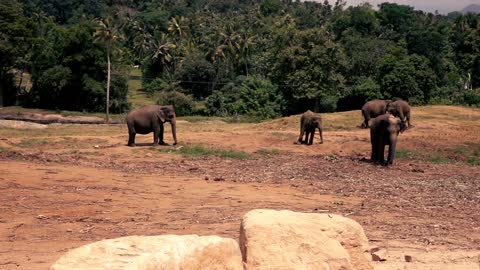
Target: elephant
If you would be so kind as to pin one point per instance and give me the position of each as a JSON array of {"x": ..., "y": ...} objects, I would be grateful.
[
  {"x": 384, "y": 131},
  {"x": 372, "y": 109},
  {"x": 308, "y": 123},
  {"x": 150, "y": 118},
  {"x": 400, "y": 108}
]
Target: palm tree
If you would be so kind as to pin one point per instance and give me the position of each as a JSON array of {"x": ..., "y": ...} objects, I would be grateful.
[
  {"x": 245, "y": 43},
  {"x": 107, "y": 33},
  {"x": 178, "y": 27},
  {"x": 161, "y": 50}
]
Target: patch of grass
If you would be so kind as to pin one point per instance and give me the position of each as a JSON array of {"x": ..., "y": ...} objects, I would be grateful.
[
  {"x": 66, "y": 130},
  {"x": 405, "y": 154},
  {"x": 268, "y": 152},
  {"x": 135, "y": 95},
  {"x": 31, "y": 142},
  {"x": 199, "y": 118},
  {"x": 460, "y": 150},
  {"x": 474, "y": 161},
  {"x": 201, "y": 151},
  {"x": 439, "y": 160},
  {"x": 468, "y": 153}
]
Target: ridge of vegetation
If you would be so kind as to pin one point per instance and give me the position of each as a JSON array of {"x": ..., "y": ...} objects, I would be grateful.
[{"x": 271, "y": 58}]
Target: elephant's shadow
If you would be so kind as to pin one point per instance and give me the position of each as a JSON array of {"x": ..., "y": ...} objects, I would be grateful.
[{"x": 149, "y": 144}]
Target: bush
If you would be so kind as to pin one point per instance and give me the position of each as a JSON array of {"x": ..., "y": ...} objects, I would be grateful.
[
  {"x": 254, "y": 97},
  {"x": 156, "y": 85},
  {"x": 182, "y": 103},
  {"x": 471, "y": 98},
  {"x": 442, "y": 95},
  {"x": 259, "y": 98},
  {"x": 196, "y": 75},
  {"x": 221, "y": 102}
]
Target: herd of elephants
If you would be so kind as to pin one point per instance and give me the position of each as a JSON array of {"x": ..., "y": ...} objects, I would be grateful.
[{"x": 385, "y": 118}]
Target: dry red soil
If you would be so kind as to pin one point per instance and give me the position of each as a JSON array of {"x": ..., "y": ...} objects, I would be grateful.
[{"x": 69, "y": 185}]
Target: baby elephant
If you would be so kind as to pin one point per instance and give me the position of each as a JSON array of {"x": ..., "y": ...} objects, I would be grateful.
[
  {"x": 308, "y": 123},
  {"x": 384, "y": 130},
  {"x": 400, "y": 108}
]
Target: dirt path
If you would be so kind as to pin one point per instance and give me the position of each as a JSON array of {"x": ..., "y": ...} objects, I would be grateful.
[{"x": 66, "y": 186}]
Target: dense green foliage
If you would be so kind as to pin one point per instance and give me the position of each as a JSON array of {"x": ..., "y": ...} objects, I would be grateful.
[{"x": 262, "y": 58}]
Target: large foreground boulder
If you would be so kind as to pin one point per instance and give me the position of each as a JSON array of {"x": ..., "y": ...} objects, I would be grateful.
[
  {"x": 155, "y": 252},
  {"x": 271, "y": 239}
]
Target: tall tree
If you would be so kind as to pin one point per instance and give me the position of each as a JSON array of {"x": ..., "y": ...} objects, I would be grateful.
[
  {"x": 107, "y": 33},
  {"x": 15, "y": 41}
]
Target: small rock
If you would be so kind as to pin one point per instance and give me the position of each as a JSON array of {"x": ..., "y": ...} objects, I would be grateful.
[
  {"x": 148, "y": 155},
  {"x": 96, "y": 146},
  {"x": 206, "y": 178},
  {"x": 378, "y": 254},
  {"x": 218, "y": 179},
  {"x": 408, "y": 258},
  {"x": 41, "y": 217}
]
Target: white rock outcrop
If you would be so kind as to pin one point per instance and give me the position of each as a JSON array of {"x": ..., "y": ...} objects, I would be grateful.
[
  {"x": 155, "y": 252},
  {"x": 271, "y": 239}
]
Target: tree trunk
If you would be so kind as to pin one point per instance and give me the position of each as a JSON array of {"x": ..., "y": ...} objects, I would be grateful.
[
  {"x": 1, "y": 87},
  {"x": 108, "y": 82},
  {"x": 1, "y": 93}
]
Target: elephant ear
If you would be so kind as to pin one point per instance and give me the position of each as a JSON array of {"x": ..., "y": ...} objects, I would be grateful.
[
  {"x": 370, "y": 122},
  {"x": 161, "y": 116}
]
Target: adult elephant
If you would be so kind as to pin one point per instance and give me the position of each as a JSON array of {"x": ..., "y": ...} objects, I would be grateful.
[
  {"x": 400, "y": 108},
  {"x": 384, "y": 131},
  {"x": 309, "y": 122},
  {"x": 372, "y": 109},
  {"x": 150, "y": 118}
]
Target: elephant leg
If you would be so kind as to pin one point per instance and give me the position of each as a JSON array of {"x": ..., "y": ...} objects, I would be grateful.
[
  {"x": 302, "y": 132},
  {"x": 131, "y": 138},
  {"x": 321, "y": 135},
  {"x": 366, "y": 118},
  {"x": 312, "y": 134},
  {"x": 391, "y": 150},
  {"x": 408, "y": 120},
  {"x": 160, "y": 135},
  {"x": 375, "y": 146},
  {"x": 156, "y": 132},
  {"x": 382, "y": 153}
]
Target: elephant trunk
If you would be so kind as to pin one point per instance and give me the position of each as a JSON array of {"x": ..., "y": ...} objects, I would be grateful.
[
  {"x": 391, "y": 149},
  {"x": 173, "y": 123}
]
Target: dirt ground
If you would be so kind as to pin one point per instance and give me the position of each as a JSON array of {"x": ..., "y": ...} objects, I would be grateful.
[{"x": 69, "y": 185}]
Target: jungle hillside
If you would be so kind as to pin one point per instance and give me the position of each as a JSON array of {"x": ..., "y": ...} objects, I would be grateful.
[{"x": 260, "y": 59}]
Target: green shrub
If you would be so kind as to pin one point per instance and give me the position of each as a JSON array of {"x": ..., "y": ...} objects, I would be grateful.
[
  {"x": 182, "y": 103},
  {"x": 156, "y": 85},
  {"x": 221, "y": 102},
  {"x": 259, "y": 98},
  {"x": 253, "y": 97},
  {"x": 196, "y": 75},
  {"x": 471, "y": 98}
]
